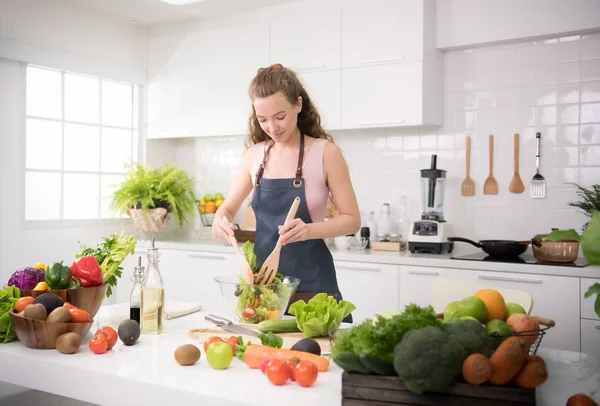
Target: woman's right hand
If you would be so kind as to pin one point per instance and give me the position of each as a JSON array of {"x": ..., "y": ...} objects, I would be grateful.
[{"x": 222, "y": 229}]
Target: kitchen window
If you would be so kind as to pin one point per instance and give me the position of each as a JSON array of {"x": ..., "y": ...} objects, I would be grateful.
[{"x": 80, "y": 132}]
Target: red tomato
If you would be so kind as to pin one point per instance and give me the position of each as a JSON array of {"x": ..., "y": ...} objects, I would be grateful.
[
  {"x": 291, "y": 364},
  {"x": 69, "y": 306},
  {"x": 98, "y": 344},
  {"x": 263, "y": 366},
  {"x": 306, "y": 373},
  {"x": 23, "y": 302},
  {"x": 79, "y": 316},
  {"x": 581, "y": 399},
  {"x": 110, "y": 334},
  {"x": 232, "y": 341},
  {"x": 211, "y": 340},
  {"x": 277, "y": 372}
]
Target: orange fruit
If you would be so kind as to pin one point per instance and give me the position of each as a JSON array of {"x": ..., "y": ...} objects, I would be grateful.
[{"x": 494, "y": 303}]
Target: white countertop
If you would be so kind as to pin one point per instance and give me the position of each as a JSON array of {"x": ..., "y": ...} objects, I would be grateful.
[
  {"x": 404, "y": 258},
  {"x": 147, "y": 373}
]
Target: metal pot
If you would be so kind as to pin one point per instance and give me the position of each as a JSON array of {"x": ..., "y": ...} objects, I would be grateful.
[{"x": 555, "y": 251}]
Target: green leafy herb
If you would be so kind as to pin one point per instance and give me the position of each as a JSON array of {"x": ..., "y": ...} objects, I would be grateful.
[
  {"x": 589, "y": 200},
  {"x": 8, "y": 299},
  {"x": 321, "y": 315},
  {"x": 110, "y": 254},
  {"x": 594, "y": 290},
  {"x": 248, "y": 250},
  {"x": 271, "y": 340}
]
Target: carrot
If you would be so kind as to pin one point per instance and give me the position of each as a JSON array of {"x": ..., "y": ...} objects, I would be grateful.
[
  {"x": 533, "y": 374},
  {"x": 508, "y": 360},
  {"x": 476, "y": 369},
  {"x": 255, "y": 354}
]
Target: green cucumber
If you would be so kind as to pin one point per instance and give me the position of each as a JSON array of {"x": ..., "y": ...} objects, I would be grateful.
[
  {"x": 350, "y": 362},
  {"x": 278, "y": 326},
  {"x": 377, "y": 365}
]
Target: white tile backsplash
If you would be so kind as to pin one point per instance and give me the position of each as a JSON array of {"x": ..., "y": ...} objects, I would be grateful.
[{"x": 550, "y": 86}]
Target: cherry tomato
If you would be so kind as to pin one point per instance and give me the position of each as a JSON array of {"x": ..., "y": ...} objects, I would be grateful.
[
  {"x": 98, "y": 344},
  {"x": 277, "y": 372},
  {"x": 263, "y": 366},
  {"x": 79, "y": 316},
  {"x": 23, "y": 302},
  {"x": 211, "y": 340},
  {"x": 291, "y": 364},
  {"x": 110, "y": 334},
  {"x": 232, "y": 341},
  {"x": 306, "y": 373},
  {"x": 69, "y": 306}
]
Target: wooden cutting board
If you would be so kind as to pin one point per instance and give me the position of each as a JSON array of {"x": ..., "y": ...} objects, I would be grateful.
[{"x": 289, "y": 339}]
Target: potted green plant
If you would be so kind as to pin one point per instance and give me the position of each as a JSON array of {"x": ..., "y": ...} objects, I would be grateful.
[
  {"x": 152, "y": 196},
  {"x": 589, "y": 204}
]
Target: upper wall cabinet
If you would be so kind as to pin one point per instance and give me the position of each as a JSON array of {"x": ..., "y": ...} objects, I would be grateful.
[
  {"x": 381, "y": 31},
  {"x": 198, "y": 81}
]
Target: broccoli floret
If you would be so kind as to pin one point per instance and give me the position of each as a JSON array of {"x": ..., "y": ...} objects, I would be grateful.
[
  {"x": 427, "y": 360},
  {"x": 471, "y": 335}
]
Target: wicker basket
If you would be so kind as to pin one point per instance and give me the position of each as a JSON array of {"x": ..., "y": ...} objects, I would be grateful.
[{"x": 150, "y": 220}]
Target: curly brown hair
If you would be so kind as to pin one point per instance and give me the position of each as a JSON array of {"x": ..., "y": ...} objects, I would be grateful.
[{"x": 277, "y": 78}]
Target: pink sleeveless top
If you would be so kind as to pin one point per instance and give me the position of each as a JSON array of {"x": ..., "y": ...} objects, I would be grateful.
[{"x": 315, "y": 188}]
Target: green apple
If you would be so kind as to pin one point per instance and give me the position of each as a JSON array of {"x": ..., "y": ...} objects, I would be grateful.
[
  {"x": 451, "y": 311},
  {"x": 512, "y": 308},
  {"x": 218, "y": 196},
  {"x": 208, "y": 198},
  {"x": 219, "y": 355},
  {"x": 472, "y": 306},
  {"x": 498, "y": 331},
  {"x": 469, "y": 318}
]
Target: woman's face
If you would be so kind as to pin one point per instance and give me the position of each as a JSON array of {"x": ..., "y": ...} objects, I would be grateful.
[{"x": 277, "y": 117}]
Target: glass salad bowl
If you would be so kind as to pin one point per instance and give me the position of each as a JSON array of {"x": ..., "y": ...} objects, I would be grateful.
[{"x": 251, "y": 304}]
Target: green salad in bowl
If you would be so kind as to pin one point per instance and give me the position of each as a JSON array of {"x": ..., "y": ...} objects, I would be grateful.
[{"x": 251, "y": 304}]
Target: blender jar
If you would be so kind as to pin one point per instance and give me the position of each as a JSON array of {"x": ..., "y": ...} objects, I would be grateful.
[{"x": 433, "y": 184}]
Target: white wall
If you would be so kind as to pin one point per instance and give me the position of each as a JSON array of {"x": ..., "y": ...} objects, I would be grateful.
[
  {"x": 462, "y": 23},
  {"x": 551, "y": 86}
]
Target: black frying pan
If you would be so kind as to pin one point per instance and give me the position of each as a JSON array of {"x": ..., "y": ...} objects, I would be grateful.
[{"x": 498, "y": 248}]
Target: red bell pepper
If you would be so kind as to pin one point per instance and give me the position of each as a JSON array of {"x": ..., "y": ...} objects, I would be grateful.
[{"x": 88, "y": 271}]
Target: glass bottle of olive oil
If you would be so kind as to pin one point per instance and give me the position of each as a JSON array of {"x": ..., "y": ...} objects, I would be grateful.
[{"x": 153, "y": 296}]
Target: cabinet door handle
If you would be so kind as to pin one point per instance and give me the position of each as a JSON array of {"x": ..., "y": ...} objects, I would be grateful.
[
  {"x": 430, "y": 273},
  {"x": 378, "y": 123},
  {"x": 381, "y": 60},
  {"x": 501, "y": 278},
  {"x": 597, "y": 326},
  {"x": 358, "y": 268},
  {"x": 206, "y": 256}
]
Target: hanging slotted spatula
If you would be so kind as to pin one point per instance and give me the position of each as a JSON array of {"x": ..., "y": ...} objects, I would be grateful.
[
  {"x": 467, "y": 187},
  {"x": 516, "y": 185},
  {"x": 538, "y": 183},
  {"x": 490, "y": 187},
  {"x": 268, "y": 269}
]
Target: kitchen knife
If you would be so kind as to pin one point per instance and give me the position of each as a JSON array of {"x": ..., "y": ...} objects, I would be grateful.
[{"x": 229, "y": 326}]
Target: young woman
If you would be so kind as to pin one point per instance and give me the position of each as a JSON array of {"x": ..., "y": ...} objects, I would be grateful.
[{"x": 290, "y": 155}]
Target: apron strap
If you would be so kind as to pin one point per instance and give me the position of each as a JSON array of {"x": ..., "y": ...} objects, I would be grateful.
[
  {"x": 261, "y": 168},
  {"x": 298, "y": 179}
]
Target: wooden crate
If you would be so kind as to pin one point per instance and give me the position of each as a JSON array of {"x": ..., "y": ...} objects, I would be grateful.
[{"x": 373, "y": 390}]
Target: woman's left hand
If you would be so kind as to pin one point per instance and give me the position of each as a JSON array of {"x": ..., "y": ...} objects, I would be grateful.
[{"x": 295, "y": 230}]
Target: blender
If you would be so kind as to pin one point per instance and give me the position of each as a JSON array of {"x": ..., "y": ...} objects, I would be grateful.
[{"x": 430, "y": 233}]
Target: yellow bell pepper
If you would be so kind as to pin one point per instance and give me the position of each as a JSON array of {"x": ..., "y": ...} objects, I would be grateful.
[
  {"x": 41, "y": 265},
  {"x": 41, "y": 286},
  {"x": 272, "y": 314}
]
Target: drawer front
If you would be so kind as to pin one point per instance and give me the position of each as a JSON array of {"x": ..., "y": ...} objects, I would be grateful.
[
  {"x": 554, "y": 297},
  {"x": 416, "y": 285},
  {"x": 587, "y": 305},
  {"x": 590, "y": 337}
]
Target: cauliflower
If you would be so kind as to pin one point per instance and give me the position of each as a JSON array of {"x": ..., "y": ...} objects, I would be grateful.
[
  {"x": 471, "y": 335},
  {"x": 428, "y": 360}
]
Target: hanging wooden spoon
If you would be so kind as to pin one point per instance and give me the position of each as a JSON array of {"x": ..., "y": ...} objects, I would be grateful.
[
  {"x": 467, "y": 187},
  {"x": 516, "y": 185},
  {"x": 490, "y": 187}
]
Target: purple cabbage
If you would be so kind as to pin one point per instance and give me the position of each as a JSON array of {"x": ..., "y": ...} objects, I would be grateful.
[{"x": 26, "y": 278}]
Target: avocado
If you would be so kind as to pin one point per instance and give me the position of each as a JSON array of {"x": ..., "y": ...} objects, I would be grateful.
[
  {"x": 129, "y": 331},
  {"x": 59, "y": 315},
  {"x": 50, "y": 301},
  {"x": 35, "y": 311},
  {"x": 307, "y": 345}
]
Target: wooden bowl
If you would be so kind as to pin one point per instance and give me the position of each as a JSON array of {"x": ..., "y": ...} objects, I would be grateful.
[
  {"x": 40, "y": 334},
  {"x": 88, "y": 299}
]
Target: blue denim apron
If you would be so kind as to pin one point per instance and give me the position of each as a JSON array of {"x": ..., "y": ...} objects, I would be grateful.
[{"x": 310, "y": 260}]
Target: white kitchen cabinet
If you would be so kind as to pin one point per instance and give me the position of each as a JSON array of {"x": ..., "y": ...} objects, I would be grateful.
[
  {"x": 554, "y": 297},
  {"x": 382, "y": 31},
  {"x": 324, "y": 90},
  {"x": 305, "y": 50},
  {"x": 590, "y": 337},
  {"x": 587, "y": 305},
  {"x": 372, "y": 288},
  {"x": 416, "y": 285},
  {"x": 198, "y": 81}
]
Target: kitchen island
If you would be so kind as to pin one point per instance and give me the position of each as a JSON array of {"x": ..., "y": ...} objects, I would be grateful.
[{"x": 147, "y": 373}]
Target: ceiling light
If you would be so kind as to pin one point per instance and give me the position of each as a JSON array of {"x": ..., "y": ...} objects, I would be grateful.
[{"x": 181, "y": 2}]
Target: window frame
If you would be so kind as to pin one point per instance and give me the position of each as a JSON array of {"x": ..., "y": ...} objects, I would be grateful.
[{"x": 137, "y": 153}]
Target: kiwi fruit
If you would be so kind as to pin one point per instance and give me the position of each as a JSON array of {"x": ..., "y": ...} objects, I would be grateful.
[
  {"x": 187, "y": 354},
  {"x": 35, "y": 311},
  {"x": 68, "y": 343},
  {"x": 59, "y": 315},
  {"x": 129, "y": 331},
  {"x": 50, "y": 301}
]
